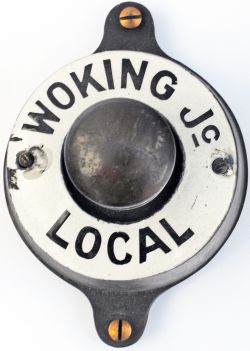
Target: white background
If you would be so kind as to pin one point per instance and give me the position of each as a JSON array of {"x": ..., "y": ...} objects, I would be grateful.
[{"x": 39, "y": 311}]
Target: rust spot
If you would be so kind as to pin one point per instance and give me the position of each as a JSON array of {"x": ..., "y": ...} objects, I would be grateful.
[{"x": 12, "y": 178}]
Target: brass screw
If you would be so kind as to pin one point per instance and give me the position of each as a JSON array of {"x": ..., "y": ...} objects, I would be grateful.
[
  {"x": 120, "y": 330},
  {"x": 130, "y": 18}
]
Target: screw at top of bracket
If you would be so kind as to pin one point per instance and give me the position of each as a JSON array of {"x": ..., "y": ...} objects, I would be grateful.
[{"x": 130, "y": 17}]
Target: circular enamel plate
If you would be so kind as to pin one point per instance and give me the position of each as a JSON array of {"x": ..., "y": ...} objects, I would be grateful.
[{"x": 162, "y": 246}]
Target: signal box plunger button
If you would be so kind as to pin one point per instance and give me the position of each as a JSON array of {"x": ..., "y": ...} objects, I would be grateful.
[{"x": 119, "y": 154}]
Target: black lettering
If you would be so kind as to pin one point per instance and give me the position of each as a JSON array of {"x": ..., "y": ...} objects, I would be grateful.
[
  {"x": 158, "y": 243},
  {"x": 111, "y": 253},
  {"x": 52, "y": 233},
  {"x": 179, "y": 240},
  {"x": 128, "y": 69},
  {"x": 87, "y": 79},
  {"x": 196, "y": 121},
  {"x": 168, "y": 89},
  {"x": 96, "y": 246},
  {"x": 109, "y": 74},
  {"x": 195, "y": 140},
  {"x": 42, "y": 127},
  {"x": 55, "y": 101},
  {"x": 208, "y": 129}
]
